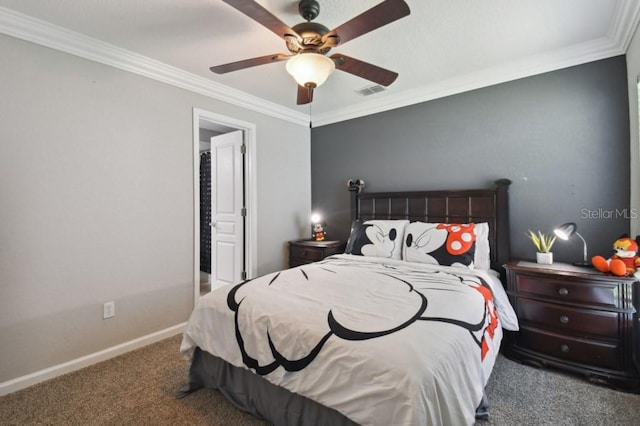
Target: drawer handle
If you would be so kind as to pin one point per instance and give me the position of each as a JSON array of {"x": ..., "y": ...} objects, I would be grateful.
[
  {"x": 564, "y": 348},
  {"x": 563, "y": 292},
  {"x": 564, "y": 319}
]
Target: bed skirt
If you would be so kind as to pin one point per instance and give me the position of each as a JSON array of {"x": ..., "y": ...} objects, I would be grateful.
[{"x": 256, "y": 395}]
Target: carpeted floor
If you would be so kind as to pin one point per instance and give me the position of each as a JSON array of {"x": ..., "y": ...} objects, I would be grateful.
[{"x": 138, "y": 389}]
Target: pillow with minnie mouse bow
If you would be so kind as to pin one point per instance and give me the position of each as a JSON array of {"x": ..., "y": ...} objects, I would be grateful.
[{"x": 449, "y": 244}]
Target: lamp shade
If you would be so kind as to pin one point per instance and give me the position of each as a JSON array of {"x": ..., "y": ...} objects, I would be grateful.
[
  {"x": 566, "y": 230},
  {"x": 310, "y": 69}
]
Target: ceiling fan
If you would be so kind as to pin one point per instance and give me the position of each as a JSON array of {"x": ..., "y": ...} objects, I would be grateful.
[{"x": 309, "y": 42}]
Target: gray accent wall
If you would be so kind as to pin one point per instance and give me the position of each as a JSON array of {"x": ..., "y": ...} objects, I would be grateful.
[
  {"x": 561, "y": 137},
  {"x": 633, "y": 76}
]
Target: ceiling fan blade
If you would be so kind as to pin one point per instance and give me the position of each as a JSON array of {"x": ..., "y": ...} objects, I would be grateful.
[
  {"x": 262, "y": 16},
  {"x": 305, "y": 95},
  {"x": 363, "y": 69},
  {"x": 248, "y": 63},
  {"x": 376, "y": 17}
]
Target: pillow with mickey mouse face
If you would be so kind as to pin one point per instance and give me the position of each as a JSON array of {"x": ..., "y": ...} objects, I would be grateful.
[
  {"x": 377, "y": 238},
  {"x": 449, "y": 244}
]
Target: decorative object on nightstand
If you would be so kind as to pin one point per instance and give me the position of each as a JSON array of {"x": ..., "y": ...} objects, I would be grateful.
[
  {"x": 576, "y": 319},
  {"x": 565, "y": 231},
  {"x": 302, "y": 252},
  {"x": 624, "y": 262},
  {"x": 317, "y": 228},
  {"x": 543, "y": 243}
]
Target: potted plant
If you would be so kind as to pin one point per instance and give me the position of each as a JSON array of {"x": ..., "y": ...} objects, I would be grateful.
[{"x": 543, "y": 243}]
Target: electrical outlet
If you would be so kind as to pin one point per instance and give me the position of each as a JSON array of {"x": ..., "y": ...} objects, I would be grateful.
[{"x": 109, "y": 310}]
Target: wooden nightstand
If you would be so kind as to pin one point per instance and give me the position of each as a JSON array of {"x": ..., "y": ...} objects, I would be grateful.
[
  {"x": 576, "y": 319},
  {"x": 306, "y": 251}
]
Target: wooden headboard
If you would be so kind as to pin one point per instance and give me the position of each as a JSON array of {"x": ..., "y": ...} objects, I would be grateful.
[{"x": 454, "y": 206}]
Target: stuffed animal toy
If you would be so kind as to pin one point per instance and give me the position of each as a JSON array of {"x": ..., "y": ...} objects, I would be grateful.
[
  {"x": 318, "y": 232},
  {"x": 625, "y": 260}
]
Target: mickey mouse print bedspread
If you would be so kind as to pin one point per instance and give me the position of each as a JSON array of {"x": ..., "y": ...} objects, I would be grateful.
[{"x": 381, "y": 341}]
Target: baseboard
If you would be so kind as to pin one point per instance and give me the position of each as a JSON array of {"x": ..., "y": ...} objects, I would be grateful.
[{"x": 87, "y": 360}]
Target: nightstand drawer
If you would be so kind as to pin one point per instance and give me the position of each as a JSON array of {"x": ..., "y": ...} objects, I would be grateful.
[
  {"x": 559, "y": 318},
  {"x": 307, "y": 253},
  {"x": 588, "y": 352},
  {"x": 567, "y": 291}
]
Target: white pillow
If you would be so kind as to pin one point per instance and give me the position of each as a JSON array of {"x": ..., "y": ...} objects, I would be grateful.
[{"x": 482, "y": 258}]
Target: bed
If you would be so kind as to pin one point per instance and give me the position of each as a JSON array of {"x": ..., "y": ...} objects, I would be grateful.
[{"x": 402, "y": 329}]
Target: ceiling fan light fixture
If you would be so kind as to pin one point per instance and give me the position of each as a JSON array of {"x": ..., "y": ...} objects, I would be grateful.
[{"x": 310, "y": 69}]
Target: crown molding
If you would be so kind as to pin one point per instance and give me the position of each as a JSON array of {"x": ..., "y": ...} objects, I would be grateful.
[
  {"x": 34, "y": 30},
  {"x": 624, "y": 23}
]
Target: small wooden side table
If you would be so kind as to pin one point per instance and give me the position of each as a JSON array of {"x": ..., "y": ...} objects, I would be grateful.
[{"x": 306, "y": 251}]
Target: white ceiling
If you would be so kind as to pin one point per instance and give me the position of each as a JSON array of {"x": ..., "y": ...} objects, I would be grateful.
[{"x": 443, "y": 47}]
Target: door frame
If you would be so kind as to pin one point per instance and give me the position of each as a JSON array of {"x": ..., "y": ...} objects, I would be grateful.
[{"x": 213, "y": 121}]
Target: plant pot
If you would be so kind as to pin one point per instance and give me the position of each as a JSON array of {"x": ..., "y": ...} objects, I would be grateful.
[{"x": 544, "y": 258}]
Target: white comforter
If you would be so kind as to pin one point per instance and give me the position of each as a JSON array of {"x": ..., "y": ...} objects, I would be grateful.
[{"x": 384, "y": 342}]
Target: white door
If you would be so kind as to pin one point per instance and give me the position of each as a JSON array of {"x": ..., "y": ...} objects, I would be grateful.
[{"x": 227, "y": 205}]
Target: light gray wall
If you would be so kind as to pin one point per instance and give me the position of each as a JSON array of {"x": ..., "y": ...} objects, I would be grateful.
[
  {"x": 561, "y": 137},
  {"x": 96, "y": 203}
]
